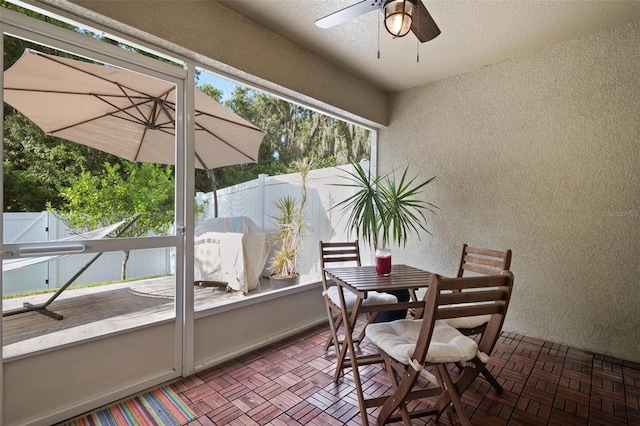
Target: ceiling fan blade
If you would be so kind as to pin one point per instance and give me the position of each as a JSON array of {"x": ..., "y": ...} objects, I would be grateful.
[
  {"x": 347, "y": 13},
  {"x": 424, "y": 27}
]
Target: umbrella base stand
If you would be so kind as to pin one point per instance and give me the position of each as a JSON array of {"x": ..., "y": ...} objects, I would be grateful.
[{"x": 42, "y": 308}]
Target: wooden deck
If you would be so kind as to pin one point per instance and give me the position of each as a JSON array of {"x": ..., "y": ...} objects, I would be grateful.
[
  {"x": 290, "y": 383},
  {"x": 98, "y": 310}
]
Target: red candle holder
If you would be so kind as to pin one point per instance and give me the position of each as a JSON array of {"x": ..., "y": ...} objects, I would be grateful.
[{"x": 383, "y": 262}]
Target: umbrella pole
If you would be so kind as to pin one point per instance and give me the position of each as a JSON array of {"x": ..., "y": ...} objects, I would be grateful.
[{"x": 214, "y": 188}]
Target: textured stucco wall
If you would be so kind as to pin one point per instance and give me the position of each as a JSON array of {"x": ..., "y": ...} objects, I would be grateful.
[{"x": 540, "y": 154}]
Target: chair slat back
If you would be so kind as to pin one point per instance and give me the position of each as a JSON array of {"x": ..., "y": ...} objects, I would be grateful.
[
  {"x": 483, "y": 261},
  {"x": 471, "y": 296},
  {"x": 347, "y": 252},
  {"x": 339, "y": 252}
]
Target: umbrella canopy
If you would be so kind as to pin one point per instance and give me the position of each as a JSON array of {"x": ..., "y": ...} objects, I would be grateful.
[{"x": 124, "y": 113}]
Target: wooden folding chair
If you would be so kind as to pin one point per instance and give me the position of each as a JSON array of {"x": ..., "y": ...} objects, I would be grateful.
[
  {"x": 480, "y": 261},
  {"x": 483, "y": 261},
  {"x": 409, "y": 347},
  {"x": 343, "y": 254}
]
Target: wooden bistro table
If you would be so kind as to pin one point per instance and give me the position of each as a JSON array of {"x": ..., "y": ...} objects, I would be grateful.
[{"x": 359, "y": 280}]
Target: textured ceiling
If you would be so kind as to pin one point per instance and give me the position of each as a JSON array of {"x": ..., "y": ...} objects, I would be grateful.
[{"x": 474, "y": 34}]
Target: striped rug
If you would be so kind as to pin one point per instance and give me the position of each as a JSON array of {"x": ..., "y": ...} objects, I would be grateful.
[{"x": 160, "y": 407}]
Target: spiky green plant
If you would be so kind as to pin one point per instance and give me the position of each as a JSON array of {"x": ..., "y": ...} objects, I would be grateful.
[
  {"x": 291, "y": 226},
  {"x": 384, "y": 210}
]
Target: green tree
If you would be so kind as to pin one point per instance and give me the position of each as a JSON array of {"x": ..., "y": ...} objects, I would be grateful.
[
  {"x": 121, "y": 192},
  {"x": 37, "y": 166},
  {"x": 292, "y": 133},
  {"x": 212, "y": 92}
]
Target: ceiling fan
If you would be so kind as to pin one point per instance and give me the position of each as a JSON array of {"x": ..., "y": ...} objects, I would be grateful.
[{"x": 400, "y": 16}]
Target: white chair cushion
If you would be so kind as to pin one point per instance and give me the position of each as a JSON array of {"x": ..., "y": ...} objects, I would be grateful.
[
  {"x": 398, "y": 339},
  {"x": 373, "y": 297},
  {"x": 468, "y": 322}
]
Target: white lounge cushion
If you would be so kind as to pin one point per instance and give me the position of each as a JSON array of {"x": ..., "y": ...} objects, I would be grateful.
[
  {"x": 468, "y": 322},
  {"x": 373, "y": 297},
  {"x": 398, "y": 339}
]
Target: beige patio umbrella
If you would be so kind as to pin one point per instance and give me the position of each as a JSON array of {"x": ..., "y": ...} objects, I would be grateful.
[{"x": 124, "y": 113}]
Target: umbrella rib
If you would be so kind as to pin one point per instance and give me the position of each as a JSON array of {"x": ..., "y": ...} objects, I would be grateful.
[
  {"x": 144, "y": 133},
  {"x": 229, "y": 145},
  {"x": 152, "y": 119},
  {"x": 201, "y": 127},
  {"x": 163, "y": 108},
  {"x": 134, "y": 100},
  {"x": 68, "y": 92},
  {"x": 54, "y": 59},
  {"x": 126, "y": 109},
  {"x": 133, "y": 118},
  {"x": 120, "y": 86},
  {"x": 201, "y": 161},
  {"x": 248, "y": 126}
]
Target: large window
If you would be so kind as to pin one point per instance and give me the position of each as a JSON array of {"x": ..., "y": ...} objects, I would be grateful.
[
  {"x": 300, "y": 160},
  {"x": 93, "y": 196},
  {"x": 92, "y": 162}
]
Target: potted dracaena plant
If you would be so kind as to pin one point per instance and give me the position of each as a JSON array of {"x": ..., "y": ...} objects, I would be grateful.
[
  {"x": 384, "y": 210},
  {"x": 290, "y": 228}
]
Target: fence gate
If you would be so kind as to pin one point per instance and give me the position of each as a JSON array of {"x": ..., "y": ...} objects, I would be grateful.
[{"x": 27, "y": 227}]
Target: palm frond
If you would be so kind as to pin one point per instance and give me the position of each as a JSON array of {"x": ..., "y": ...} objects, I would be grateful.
[{"x": 383, "y": 209}]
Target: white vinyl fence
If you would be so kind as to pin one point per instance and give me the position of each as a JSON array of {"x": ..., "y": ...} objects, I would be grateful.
[
  {"x": 45, "y": 226},
  {"x": 254, "y": 199}
]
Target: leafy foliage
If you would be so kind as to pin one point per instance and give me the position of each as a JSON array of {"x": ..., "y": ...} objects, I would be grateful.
[
  {"x": 95, "y": 201},
  {"x": 384, "y": 210},
  {"x": 118, "y": 193},
  {"x": 36, "y": 166}
]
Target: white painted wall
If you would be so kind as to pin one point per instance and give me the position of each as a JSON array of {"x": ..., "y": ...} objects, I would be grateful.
[
  {"x": 540, "y": 154},
  {"x": 228, "y": 332},
  {"x": 50, "y": 387}
]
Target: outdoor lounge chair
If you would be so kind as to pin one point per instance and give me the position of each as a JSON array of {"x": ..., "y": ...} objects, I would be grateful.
[{"x": 410, "y": 347}]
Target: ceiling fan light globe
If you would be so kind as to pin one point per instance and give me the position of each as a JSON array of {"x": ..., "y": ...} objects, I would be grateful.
[{"x": 397, "y": 17}]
